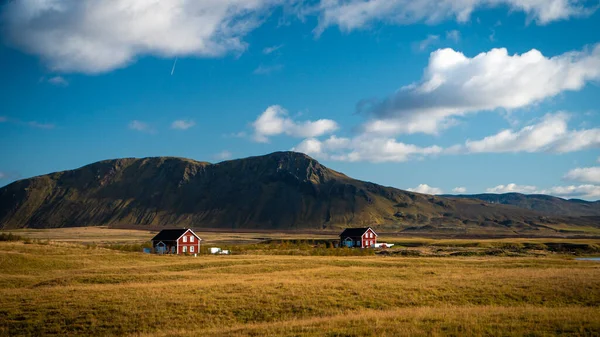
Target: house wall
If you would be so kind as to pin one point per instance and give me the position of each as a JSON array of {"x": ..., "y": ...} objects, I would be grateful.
[
  {"x": 369, "y": 239},
  {"x": 185, "y": 241}
]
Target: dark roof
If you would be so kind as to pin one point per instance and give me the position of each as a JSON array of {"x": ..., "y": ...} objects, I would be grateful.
[
  {"x": 171, "y": 234},
  {"x": 354, "y": 232}
]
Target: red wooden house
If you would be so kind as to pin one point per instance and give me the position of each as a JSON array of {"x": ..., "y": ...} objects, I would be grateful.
[
  {"x": 176, "y": 241},
  {"x": 358, "y": 237}
]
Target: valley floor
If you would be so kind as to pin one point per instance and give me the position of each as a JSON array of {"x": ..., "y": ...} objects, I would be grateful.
[{"x": 67, "y": 288}]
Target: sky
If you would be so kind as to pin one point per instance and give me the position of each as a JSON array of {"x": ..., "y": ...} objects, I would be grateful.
[{"x": 433, "y": 96}]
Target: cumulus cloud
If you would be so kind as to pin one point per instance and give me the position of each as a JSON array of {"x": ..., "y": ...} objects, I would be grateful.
[
  {"x": 550, "y": 134},
  {"x": 426, "y": 189},
  {"x": 512, "y": 188},
  {"x": 574, "y": 191},
  {"x": 454, "y": 85},
  {"x": 275, "y": 120},
  {"x": 584, "y": 174},
  {"x": 140, "y": 126},
  {"x": 182, "y": 124},
  {"x": 92, "y": 36},
  {"x": 355, "y": 14},
  {"x": 459, "y": 190},
  {"x": 364, "y": 148}
]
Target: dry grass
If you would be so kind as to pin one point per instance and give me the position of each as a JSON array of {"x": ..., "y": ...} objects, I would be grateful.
[{"x": 67, "y": 289}]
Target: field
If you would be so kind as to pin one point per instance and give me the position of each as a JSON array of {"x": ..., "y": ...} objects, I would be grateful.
[{"x": 66, "y": 282}]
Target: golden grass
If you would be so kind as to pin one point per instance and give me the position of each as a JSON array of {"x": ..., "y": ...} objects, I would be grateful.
[{"x": 68, "y": 289}]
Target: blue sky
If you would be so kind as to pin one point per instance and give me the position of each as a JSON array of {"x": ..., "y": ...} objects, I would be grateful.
[{"x": 435, "y": 96}]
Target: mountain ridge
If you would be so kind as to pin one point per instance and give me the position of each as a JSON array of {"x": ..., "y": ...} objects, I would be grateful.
[
  {"x": 281, "y": 190},
  {"x": 538, "y": 202}
]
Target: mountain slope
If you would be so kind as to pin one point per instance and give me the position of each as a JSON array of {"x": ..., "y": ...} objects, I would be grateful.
[
  {"x": 282, "y": 190},
  {"x": 541, "y": 203}
]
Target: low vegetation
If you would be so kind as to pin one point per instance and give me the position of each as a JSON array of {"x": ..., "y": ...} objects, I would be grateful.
[{"x": 67, "y": 288}]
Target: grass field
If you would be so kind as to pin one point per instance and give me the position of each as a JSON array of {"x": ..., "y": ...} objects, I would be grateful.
[{"x": 67, "y": 288}]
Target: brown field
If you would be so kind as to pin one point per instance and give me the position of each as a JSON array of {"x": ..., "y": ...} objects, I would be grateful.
[{"x": 71, "y": 285}]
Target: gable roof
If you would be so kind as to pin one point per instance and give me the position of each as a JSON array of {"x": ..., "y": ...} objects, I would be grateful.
[
  {"x": 172, "y": 234},
  {"x": 355, "y": 231}
]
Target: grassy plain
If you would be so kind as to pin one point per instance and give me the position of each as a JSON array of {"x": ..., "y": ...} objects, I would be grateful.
[{"x": 69, "y": 288}]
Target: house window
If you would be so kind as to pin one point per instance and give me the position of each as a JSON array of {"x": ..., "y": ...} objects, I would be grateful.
[
  {"x": 185, "y": 249},
  {"x": 185, "y": 239},
  {"x": 191, "y": 239},
  {"x": 191, "y": 249}
]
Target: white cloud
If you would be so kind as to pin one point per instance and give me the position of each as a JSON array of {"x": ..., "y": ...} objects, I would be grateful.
[
  {"x": 58, "y": 81},
  {"x": 182, "y": 124},
  {"x": 364, "y": 148},
  {"x": 33, "y": 124},
  {"x": 584, "y": 174},
  {"x": 270, "y": 50},
  {"x": 265, "y": 70},
  {"x": 223, "y": 155},
  {"x": 92, "y": 36},
  {"x": 426, "y": 189},
  {"x": 140, "y": 126},
  {"x": 453, "y": 35},
  {"x": 429, "y": 41},
  {"x": 512, "y": 188},
  {"x": 2, "y": 175},
  {"x": 550, "y": 134},
  {"x": 240, "y": 134},
  {"x": 459, "y": 190},
  {"x": 275, "y": 121},
  {"x": 39, "y": 125},
  {"x": 454, "y": 85},
  {"x": 573, "y": 191},
  {"x": 355, "y": 14}
]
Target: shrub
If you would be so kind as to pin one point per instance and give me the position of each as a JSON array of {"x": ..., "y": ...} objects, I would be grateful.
[{"x": 10, "y": 237}]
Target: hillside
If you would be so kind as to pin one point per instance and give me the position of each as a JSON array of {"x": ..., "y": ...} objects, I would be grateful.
[
  {"x": 282, "y": 190},
  {"x": 538, "y": 202}
]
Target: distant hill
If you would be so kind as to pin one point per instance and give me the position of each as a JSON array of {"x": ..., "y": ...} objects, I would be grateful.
[
  {"x": 538, "y": 202},
  {"x": 282, "y": 190}
]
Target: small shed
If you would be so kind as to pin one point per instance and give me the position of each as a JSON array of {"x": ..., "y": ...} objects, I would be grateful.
[
  {"x": 358, "y": 237},
  {"x": 176, "y": 241}
]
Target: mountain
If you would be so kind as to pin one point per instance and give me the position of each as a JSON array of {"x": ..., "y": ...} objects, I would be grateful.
[
  {"x": 539, "y": 202},
  {"x": 282, "y": 190}
]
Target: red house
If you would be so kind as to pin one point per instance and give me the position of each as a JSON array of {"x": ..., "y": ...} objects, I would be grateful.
[
  {"x": 176, "y": 241},
  {"x": 358, "y": 237}
]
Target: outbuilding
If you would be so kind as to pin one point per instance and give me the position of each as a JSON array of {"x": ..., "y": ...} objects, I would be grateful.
[
  {"x": 176, "y": 241},
  {"x": 358, "y": 237}
]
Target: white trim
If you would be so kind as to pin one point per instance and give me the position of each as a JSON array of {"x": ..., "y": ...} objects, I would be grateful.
[
  {"x": 189, "y": 230},
  {"x": 371, "y": 231}
]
